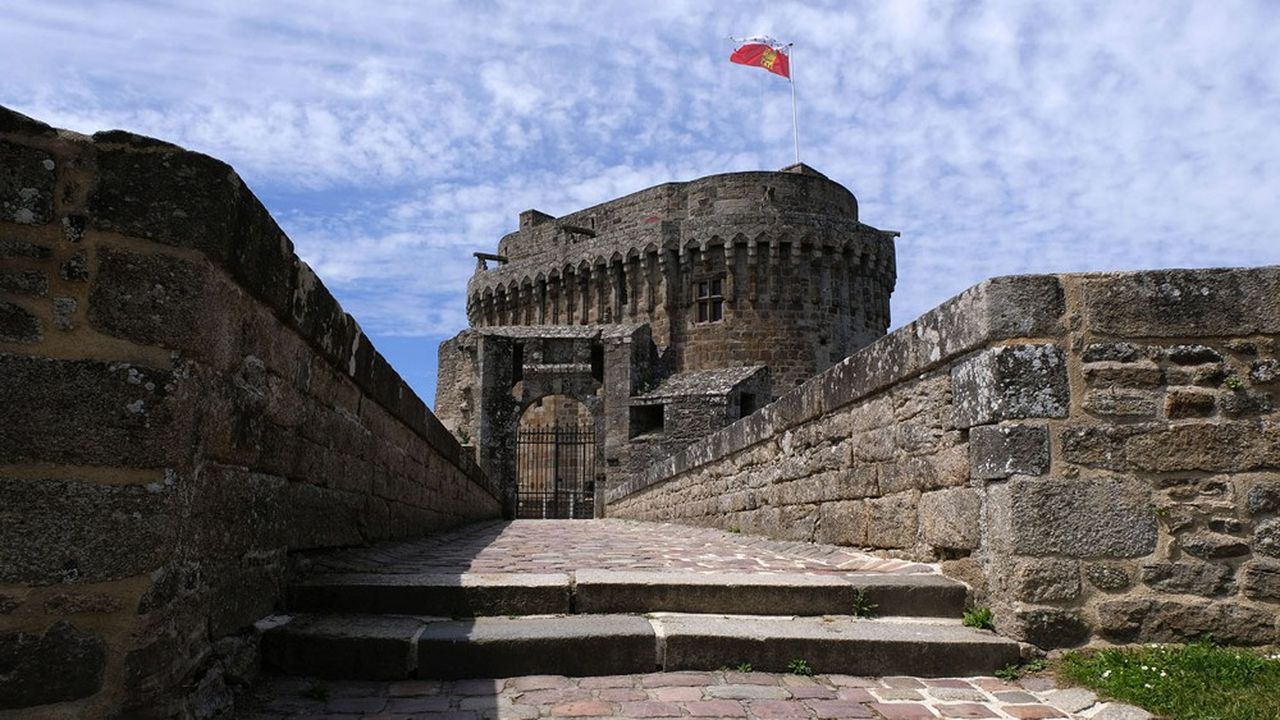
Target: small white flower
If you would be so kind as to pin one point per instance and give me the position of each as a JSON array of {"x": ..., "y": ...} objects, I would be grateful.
[
  {"x": 1106, "y": 674},
  {"x": 1164, "y": 674},
  {"x": 1146, "y": 685}
]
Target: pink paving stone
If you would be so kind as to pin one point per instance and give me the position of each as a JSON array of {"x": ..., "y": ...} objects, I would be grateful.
[
  {"x": 851, "y": 681},
  {"x": 716, "y": 708},
  {"x": 901, "y": 683},
  {"x": 676, "y": 694},
  {"x": 991, "y": 684},
  {"x": 608, "y": 681},
  {"x": 854, "y": 695},
  {"x": 650, "y": 709},
  {"x": 1032, "y": 712},
  {"x": 817, "y": 692},
  {"x": 624, "y": 694},
  {"x": 554, "y": 696},
  {"x": 676, "y": 680},
  {"x": 778, "y": 709},
  {"x": 409, "y": 688},
  {"x": 583, "y": 708},
  {"x": 903, "y": 711},
  {"x": 839, "y": 709},
  {"x": 965, "y": 710},
  {"x": 540, "y": 682},
  {"x": 798, "y": 681}
]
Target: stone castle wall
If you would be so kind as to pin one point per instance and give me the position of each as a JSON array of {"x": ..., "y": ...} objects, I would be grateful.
[
  {"x": 1097, "y": 455},
  {"x": 804, "y": 282},
  {"x": 184, "y": 404}
]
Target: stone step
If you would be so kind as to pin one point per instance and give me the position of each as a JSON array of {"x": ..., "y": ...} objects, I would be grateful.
[
  {"x": 395, "y": 647},
  {"x": 607, "y": 591}
]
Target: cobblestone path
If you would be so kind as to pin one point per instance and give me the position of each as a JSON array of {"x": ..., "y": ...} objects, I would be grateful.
[
  {"x": 686, "y": 694},
  {"x": 542, "y": 546}
]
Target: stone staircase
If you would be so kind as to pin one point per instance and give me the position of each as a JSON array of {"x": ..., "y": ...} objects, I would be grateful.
[{"x": 386, "y": 621}]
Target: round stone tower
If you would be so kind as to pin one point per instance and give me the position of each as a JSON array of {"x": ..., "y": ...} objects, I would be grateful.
[{"x": 740, "y": 269}]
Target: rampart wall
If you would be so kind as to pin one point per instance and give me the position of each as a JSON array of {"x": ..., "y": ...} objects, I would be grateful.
[
  {"x": 1097, "y": 455},
  {"x": 184, "y": 405}
]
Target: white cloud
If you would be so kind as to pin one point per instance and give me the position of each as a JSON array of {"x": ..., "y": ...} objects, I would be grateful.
[{"x": 393, "y": 139}]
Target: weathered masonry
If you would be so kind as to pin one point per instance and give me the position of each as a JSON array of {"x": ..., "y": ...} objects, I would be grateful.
[
  {"x": 1098, "y": 456},
  {"x": 182, "y": 404},
  {"x": 667, "y": 313}
]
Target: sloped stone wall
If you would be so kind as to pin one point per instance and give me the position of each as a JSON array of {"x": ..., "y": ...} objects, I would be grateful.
[
  {"x": 1097, "y": 455},
  {"x": 183, "y": 405}
]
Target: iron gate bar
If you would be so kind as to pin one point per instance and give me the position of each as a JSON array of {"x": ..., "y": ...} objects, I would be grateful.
[{"x": 555, "y": 472}]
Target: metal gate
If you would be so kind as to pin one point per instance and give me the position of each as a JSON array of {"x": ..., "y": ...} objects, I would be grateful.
[{"x": 555, "y": 472}]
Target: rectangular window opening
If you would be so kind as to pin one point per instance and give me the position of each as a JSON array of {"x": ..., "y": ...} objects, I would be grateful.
[
  {"x": 709, "y": 300},
  {"x": 646, "y": 420}
]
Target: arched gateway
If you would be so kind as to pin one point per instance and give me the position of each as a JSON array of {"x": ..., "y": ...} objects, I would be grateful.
[{"x": 555, "y": 459}]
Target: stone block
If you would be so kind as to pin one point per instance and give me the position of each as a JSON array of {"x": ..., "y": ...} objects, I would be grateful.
[
  {"x": 24, "y": 282},
  {"x": 1183, "y": 303},
  {"x": 27, "y": 177},
  {"x": 1246, "y": 402},
  {"x": 1266, "y": 538},
  {"x": 1137, "y": 374},
  {"x": 1153, "y": 619},
  {"x": 75, "y": 269},
  {"x": 1115, "y": 352},
  {"x": 1260, "y": 579},
  {"x": 13, "y": 247},
  {"x": 892, "y": 521},
  {"x": 999, "y": 451},
  {"x": 1212, "y": 545},
  {"x": 18, "y": 325},
  {"x": 1189, "y": 577},
  {"x": 1211, "y": 447},
  {"x": 1110, "y": 577},
  {"x": 950, "y": 518},
  {"x": 1047, "y": 580},
  {"x": 1263, "y": 496},
  {"x": 60, "y": 665},
  {"x": 64, "y": 310},
  {"x": 186, "y": 199},
  {"x": 1264, "y": 372},
  {"x": 1008, "y": 383},
  {"x": 55, "y": 531},
  {"x": 1187, "y": 403},
  {"x": 1121, "y": 403},
  {"x": 1209, "y": 375},
  {"x": 106, "y": 413},
  {"x": 1081, "y": 518},
  {"x": 151, "y": 299},
  {"x": 1048, "y": 628},
  {"x": 842, "y": 523},
  {"x": 1192, "y": 354}
]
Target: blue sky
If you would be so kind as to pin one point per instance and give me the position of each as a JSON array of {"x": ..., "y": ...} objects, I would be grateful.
[{"x": 391, "y": 140}]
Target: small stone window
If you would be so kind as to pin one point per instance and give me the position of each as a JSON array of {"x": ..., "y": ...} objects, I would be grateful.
[
  {"x": 709, "y": 298},
  {"x": 646, "y": 420}
]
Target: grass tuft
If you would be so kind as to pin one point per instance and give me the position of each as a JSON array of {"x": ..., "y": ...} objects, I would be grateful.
[
  {"x": 862, "y": 605},
  {"x": 799, "y": 667},
  {"x": 1198, "y": 681},
  {"x": 979, "y": 617}
]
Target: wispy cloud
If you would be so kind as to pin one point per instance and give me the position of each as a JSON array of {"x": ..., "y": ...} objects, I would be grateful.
[{"x": 393, "y": 139}]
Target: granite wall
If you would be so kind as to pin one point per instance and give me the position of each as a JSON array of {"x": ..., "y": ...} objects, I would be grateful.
[
  {"x": 1097, "y": 455},
  {"x": 184, "y": 404}
]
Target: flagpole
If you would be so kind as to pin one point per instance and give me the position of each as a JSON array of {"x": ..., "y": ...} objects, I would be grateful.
[{"x": 791, "y": 76}]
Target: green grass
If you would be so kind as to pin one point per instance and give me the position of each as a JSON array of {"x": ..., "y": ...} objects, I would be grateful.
[
  {"x": 1015, "y": 672},
  {"x": 799, "y": 667},
  {"x": 1199, "y": 681},
  {"x": 979, "y": 617}
]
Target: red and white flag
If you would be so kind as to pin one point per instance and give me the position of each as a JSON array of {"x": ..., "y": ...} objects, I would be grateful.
[{"x": 765, "y": 53}]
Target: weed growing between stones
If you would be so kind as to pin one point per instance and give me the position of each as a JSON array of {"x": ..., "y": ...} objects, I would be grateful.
[
  {"x": 742, "y": 667},
  {"x": 1233, "y": 382},
  {"x": 1014, "y": 672},
  {"x": 862, "y": 605},
  {"x": 799, "y": 667},
  {"x": 979, "y": 617},
  {"x": 1200, "y": 681}
]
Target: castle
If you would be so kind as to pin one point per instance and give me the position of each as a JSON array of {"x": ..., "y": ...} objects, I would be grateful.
[{"x": 648, "y": 322}]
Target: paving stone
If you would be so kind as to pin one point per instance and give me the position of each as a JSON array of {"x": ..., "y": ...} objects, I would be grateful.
[
  {"x": 838, "y": 709},
  {"x": 1015, "y": 696},
  {"x": 650, "y": 709},
  {"x": 409, "y": 688},
  {"x": 898, "y": 694},
  {"x": 778, "y": 709},
  {"x": 623, "y": 694},
  {"x": 965, "y": 710},
  {"x": 903, "y": 711},
  {"x": 1121, "y": 711},
  {"x": 1072, "y": 700},
  {"x": 582, "y": 708},
  {"x": 1032, "y": 712},
  {"x": 743, "y": 692},
  {"x": 716, "y": 708},
  {"x": 676, "y": 694},
  {"x": 438, "y": 703},
  {"x": 856, "y": 694},
  {"x": 951, "y": 693},
  {"x": 688, "y": 679}
]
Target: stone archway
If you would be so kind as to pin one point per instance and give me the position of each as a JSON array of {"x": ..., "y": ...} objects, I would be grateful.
[{"x": 556, "y": 450}]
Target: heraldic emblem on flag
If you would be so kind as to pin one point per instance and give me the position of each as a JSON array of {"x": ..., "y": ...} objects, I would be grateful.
[{"x": 765, "y": 53}]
